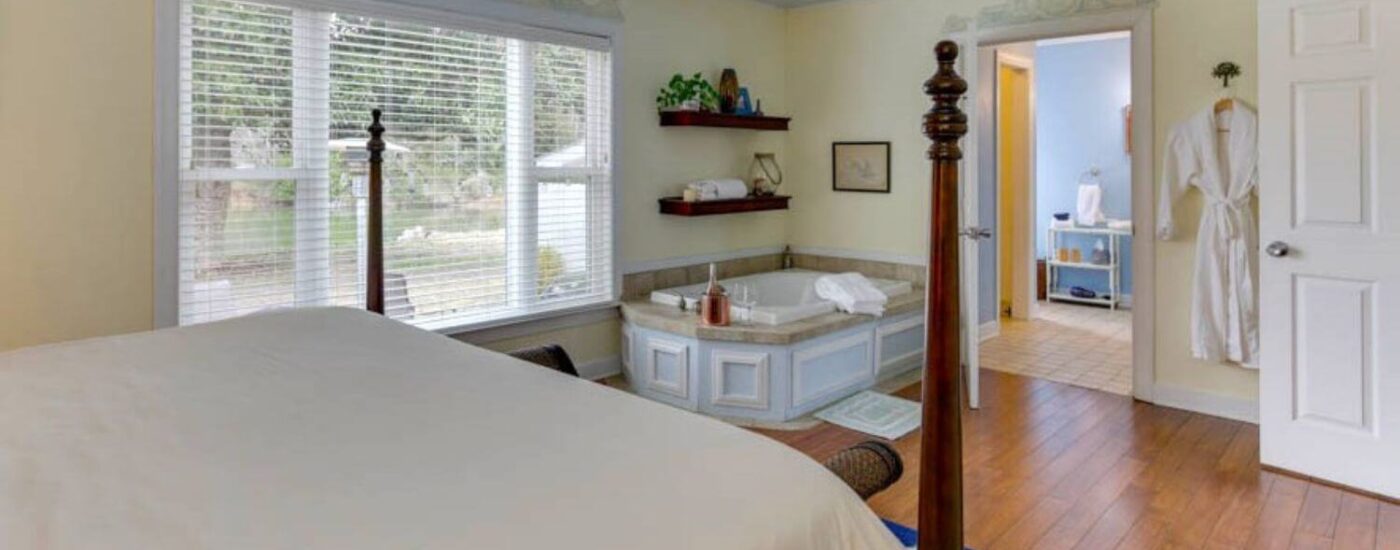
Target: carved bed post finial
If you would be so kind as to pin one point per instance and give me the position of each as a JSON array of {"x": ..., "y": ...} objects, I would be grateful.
[
  {"x": 374, "y": 262},
  {"x": 940, "y": 465},
  {"x": 945, "y": 124}
]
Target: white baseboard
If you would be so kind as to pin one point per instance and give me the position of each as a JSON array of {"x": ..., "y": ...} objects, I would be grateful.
[
  {"x": 600, "y": 368},
  {"x": 1233, "y": 408},
  {"x": 867, "y": 255},
  {"x": 988, "y": 330}
]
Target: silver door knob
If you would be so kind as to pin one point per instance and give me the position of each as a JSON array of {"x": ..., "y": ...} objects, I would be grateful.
[
  {"x": 976, "y": 233},
  {"x": 1277, "y": 249}
]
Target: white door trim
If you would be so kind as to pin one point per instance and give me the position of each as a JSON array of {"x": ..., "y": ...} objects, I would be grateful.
[{"x": 1139, "y": 21}]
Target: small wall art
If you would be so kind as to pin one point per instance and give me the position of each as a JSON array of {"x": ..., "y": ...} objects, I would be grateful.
[{"x": 860, "y": 166}]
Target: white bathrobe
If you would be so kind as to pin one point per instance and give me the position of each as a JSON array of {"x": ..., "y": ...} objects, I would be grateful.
[{"x": 1223, "y": 166}]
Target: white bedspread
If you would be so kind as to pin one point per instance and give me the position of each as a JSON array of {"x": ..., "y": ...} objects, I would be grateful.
[{"x": 338, "y": 429}]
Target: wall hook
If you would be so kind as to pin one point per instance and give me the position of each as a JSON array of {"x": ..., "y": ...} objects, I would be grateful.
[{"x": 1225, "y": 71}]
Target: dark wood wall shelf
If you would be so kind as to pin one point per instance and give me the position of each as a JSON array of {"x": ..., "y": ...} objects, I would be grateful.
[
  {"x": 717, "y": 120},
  {"x": 677, "y": 207}
]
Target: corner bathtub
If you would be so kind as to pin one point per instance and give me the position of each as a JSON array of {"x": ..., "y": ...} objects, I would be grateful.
[
  {"x": 787, "y": 355},
  {"x": 773, "y": 298}
]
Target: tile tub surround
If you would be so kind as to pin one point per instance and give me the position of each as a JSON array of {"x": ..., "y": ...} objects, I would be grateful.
[{"x": 916, "y": 274}]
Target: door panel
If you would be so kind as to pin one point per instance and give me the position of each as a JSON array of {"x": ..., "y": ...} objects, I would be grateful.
[
  {"x": 1329, "y": 187},
  {"x": 1333, "y": 147},
  {"x": 1335, "y": 320}
]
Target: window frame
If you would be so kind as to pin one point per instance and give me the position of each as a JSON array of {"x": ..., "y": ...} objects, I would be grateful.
[{"x": 490, "y": 16}]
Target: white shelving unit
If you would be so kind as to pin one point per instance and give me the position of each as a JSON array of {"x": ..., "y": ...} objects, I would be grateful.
[{"x": 1113, "y": 269}]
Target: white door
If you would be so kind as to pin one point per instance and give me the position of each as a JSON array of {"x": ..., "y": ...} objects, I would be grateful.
[
  {"x": 1329, "y": 169},
  {"x": 968, "y": 66}
]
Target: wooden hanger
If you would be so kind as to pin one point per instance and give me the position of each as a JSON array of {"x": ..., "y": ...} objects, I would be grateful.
[
  {"x": 1225, "y": 71},
  {"x": 1223, "y": 105}
]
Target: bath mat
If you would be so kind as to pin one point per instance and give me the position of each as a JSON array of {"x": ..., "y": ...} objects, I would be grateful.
[{"x": 874, "y": 413}]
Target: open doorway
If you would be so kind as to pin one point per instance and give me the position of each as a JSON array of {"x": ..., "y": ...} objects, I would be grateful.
[{"x": 1062, "y": 197}]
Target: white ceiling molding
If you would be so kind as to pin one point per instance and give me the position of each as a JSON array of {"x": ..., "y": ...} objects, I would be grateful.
[
  {"x": 1019, "y": 12},
  {"x": 793, "y": 3},
  {"x": 602, "y": 9}
]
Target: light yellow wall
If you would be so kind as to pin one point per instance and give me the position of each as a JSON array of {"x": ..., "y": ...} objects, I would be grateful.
[
  {"x": 664, "y": 37},
  {"x": 856, "y": 69},
  {"x": 76, "y": 131},
  {"x": 1188, "y": 45},
  {"x": 586, "y": 343},
  {"x": 75, "y": 194}
]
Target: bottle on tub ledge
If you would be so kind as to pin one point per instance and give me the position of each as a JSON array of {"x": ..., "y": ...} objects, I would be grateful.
[{"x": 714, "y": 305}]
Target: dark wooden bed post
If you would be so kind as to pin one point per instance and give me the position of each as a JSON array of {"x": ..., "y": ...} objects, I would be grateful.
[
  {"x": 374, "y": 265},
  {"x": 940, "y": 462}
]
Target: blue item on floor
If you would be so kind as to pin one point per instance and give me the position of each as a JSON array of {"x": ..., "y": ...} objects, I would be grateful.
[
  {"x": 1081, "y": 292},
  {"x": 908, "y": 537}
]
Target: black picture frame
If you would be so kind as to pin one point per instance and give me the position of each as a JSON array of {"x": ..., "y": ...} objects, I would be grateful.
[{"x": 836, "y": 147}]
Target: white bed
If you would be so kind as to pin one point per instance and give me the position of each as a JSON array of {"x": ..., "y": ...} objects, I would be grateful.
[{"x": 333, "y": 428}]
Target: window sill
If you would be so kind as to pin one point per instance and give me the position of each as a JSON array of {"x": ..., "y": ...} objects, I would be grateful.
[{"x": 525, "y": 325}]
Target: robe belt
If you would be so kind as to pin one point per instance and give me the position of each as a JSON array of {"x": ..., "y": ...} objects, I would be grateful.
[{"x": 1228, "y": 214}]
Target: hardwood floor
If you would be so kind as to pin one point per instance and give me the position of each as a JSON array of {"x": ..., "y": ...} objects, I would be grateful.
[{"x": 1048, "y": 465}]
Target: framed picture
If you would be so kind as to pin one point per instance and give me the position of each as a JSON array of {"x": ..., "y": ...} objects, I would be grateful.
[{"x": 861, "y": 166}]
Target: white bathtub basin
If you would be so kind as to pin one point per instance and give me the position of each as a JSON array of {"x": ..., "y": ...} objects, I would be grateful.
[{"x": 773, "y": 298}]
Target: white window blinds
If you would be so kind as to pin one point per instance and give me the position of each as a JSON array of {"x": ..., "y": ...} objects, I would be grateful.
[{"x": 498, "y": 193}]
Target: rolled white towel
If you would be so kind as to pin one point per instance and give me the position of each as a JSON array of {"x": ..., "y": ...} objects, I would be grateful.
[
  {"x": 720, "y": 189},
  {"x": 852, "y": 293}
]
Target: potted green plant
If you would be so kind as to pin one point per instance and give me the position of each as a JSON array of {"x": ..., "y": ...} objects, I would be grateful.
[{"x": 688, "y": 94}]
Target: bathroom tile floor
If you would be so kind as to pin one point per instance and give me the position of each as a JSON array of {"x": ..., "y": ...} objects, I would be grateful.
[{"x": 1082, "y": 345}]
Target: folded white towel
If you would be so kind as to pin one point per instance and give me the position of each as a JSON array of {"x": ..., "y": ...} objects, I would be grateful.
[
  {"x": 1121, "y": 225},
  {"x": 720, "y": 189},
  {"x": 852, "y": 293}
]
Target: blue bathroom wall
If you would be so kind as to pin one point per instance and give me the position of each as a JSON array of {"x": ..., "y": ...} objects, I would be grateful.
[{"x": 1081, "y": 89}]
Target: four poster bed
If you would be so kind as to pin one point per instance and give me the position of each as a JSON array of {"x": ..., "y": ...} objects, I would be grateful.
[{"x": 335, "y": 428}]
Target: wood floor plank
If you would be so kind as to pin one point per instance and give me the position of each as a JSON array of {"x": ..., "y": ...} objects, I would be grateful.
[
  {"x": 1059, "y": 467},
  {"x": 1236, "y": 524},
  {"x": 1123, "y": 513},
  {"x": 1171, "y": 495},
  {"x": 1094, "y": 451},
  {"x": 1279, "y": 514},
  {"x": 1388, "y": 527},
  {"x": 1230, "y": 477},
  {"x": 1108, "y": 462},
  {"x": 1317, "y": 520},
  {"x": 1356, "y": 522}
]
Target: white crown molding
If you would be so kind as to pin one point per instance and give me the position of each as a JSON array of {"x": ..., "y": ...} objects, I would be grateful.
[{"x": 1020, "y": 12}]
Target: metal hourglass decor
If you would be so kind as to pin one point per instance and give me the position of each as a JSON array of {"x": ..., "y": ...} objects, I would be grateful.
[{"x": 765, "y": 174}]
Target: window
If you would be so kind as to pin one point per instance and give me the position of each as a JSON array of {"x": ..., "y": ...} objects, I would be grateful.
[{"x": 498, "y": 191}]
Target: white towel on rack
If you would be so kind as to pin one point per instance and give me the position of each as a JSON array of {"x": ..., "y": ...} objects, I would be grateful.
[
  {"x": 720, "y": 189},
  {"x": 1090, "y": 204},
  {"x": 852, "y": 293}
]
